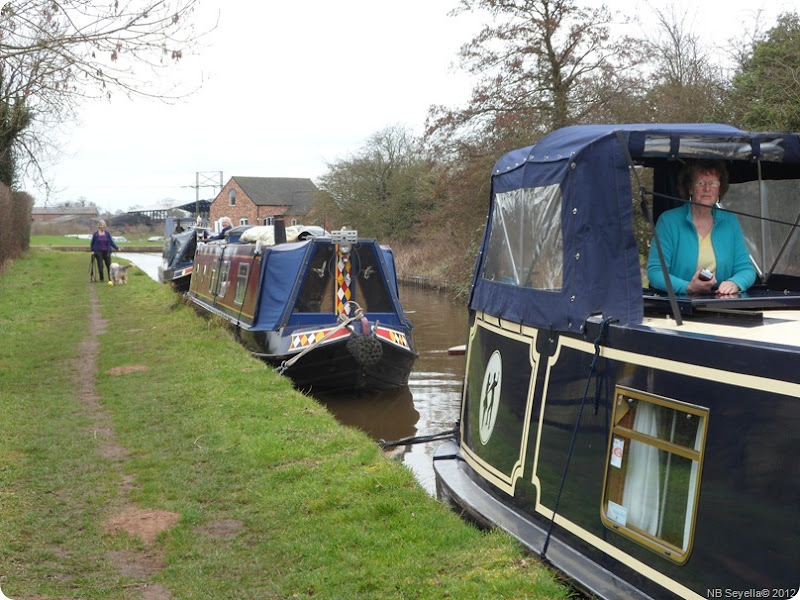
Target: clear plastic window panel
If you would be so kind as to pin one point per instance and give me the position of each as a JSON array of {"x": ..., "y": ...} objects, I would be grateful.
[
  {"x": 525, "y": 244},
  {"x": 774, "y": 243}
]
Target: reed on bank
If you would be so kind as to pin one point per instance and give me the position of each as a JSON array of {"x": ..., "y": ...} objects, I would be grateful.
[{"x": 146, "y": 454}]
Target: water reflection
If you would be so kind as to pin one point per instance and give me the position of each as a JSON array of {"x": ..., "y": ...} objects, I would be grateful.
[
  {"x": 386, "y": 416},
  {"x": 430, "y": 404}
]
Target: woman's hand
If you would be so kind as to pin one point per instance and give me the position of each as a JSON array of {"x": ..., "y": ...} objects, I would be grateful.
[
  {"x": 698, "y": 286},
  {"x": 727, "y": 288}
]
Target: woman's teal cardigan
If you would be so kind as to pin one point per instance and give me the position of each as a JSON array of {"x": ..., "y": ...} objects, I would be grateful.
[{"x": 678, "y": 238}]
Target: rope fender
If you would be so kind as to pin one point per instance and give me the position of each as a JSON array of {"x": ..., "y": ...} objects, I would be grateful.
[{"x": 365, "y": 348}]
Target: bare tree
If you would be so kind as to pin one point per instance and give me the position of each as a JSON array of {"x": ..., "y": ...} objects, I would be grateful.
[
  {"x": 56, "y": 53},
  {"x": 686, "y": 84},
  {"x": 384, "y": 189},
  {"x": 541, "y": 65}
]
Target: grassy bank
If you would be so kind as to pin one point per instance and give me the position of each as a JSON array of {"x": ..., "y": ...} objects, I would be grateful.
[
  {"x": 146, "y": 455},
  {"x": 63, "y": 240}
]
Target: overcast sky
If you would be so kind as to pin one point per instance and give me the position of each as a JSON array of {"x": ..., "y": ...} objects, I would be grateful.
[{"x": 287, "y": 88}]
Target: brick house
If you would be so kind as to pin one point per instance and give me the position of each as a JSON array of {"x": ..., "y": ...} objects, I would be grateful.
[{"x": 258, "y": 200}]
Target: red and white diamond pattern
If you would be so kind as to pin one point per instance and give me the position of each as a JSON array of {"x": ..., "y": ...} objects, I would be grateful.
[{"x": 342, "y": 283}]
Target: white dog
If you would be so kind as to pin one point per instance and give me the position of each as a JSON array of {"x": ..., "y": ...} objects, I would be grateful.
[{"x": 118, "y": 274}]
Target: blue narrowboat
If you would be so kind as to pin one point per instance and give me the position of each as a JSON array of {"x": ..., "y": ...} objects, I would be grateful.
[
  {"x": 645, "y": 443},
  {"x": 324, "y": 309}
]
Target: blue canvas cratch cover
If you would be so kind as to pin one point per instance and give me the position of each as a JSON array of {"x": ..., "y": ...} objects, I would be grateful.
[
  {"x": 285, "y": 268},
  {"x": 559, "y": 243}
]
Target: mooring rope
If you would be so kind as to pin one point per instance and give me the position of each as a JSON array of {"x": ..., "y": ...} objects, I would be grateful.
[
  {"x": 419, "y": 439},
  {"x": 592, "y": 368}
]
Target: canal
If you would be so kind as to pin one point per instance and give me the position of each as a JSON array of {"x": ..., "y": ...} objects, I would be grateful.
[{"x": 430, "y": 403}]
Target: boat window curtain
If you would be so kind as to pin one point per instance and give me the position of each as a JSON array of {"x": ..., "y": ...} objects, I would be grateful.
[{"x": 642, "y": 492}]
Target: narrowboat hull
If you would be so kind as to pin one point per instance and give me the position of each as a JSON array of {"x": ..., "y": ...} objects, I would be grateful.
[
  {"x": 332, "y": 366},
  {"x": 546, "y": 426},
  {"x": 326, "y": 319}
]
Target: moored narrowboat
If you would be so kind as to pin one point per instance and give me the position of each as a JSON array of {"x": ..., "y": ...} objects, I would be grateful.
[
  {"x": 177, "y": 258},
  {"x": 325, "y": 310},
  {"x": 644, "y": 442}
]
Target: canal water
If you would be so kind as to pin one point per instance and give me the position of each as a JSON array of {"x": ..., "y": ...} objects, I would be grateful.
[{"x": 428, "y": 405}]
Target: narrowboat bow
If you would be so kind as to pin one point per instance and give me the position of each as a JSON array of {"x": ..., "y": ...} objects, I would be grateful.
[
  {"x": 177, "y": 258},
  {"x": 646, "y": 444},
  {"x": 325, "y": 310}
]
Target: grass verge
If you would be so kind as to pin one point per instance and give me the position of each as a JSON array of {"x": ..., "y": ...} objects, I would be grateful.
[
  {"x": 120, "y": 405},
  {"x": 62, "y": 240}
]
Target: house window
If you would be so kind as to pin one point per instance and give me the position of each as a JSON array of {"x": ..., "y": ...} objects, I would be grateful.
[
  {"x": 294, "y": 222},
  {"x": 243, "y": 221},
  {"x": 654, "y": 462},
  {"x": 232, "y": 196},
  {"x": 269, "y": 220}
]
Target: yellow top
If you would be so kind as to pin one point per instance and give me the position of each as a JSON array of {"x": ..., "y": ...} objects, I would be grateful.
[{"x": 706, "y": 259}]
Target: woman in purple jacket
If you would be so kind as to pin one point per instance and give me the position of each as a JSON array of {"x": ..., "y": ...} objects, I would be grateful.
[{"x": 102, "y": 243}]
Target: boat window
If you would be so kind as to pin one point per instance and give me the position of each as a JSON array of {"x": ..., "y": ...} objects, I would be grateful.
[
  {"x": 223, "y": 278},
  {"x": 653, "y": 471},
  {"x": 316, "y": 294},
  {"x": 370, "y": 289},
  {"x": 212, "y": 283},
  {"x": 525, "y": 247},
  {"x": 241, "y": 282}
]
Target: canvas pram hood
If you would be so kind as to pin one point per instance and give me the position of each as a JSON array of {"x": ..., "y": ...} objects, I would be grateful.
[{"x": 559, "y": 243}]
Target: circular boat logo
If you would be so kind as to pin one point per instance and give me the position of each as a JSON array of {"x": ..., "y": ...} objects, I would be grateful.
[{"x": 490, "y": 396}]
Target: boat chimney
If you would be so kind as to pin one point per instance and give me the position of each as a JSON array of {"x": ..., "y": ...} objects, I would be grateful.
[{"x": 280, "y": 229}]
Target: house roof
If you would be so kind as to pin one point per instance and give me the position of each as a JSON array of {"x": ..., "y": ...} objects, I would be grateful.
[
  {"x": 296, "y": 193},
  {"x": 65, "y": 210},
  {"x": 167, "y": 205}
]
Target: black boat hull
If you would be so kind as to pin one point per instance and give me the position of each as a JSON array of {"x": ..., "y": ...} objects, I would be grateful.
[{"x": 333, "y": 367}]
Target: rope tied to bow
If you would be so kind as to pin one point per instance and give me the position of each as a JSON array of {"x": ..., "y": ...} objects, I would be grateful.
[{"x": 344, "y": 320}]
